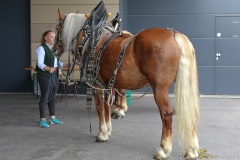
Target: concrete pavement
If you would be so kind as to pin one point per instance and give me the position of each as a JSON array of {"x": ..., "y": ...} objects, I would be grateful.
[{"x": 135, "y": 137}]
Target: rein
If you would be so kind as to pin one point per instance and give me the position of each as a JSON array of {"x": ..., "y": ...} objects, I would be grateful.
[{"x": 104, "y": 89}]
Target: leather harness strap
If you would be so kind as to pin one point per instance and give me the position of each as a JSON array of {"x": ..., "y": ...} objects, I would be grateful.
[
  {"x": 99, "y": 56},
  {"x": 119, "y": 62}
]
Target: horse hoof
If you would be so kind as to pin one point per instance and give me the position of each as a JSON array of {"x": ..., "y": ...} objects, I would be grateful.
[
  {"x": 116, "y": 116},
  {"x": 187, "y": 158},
  {"x": 100, "y": 140},
  {"x": 192, "y": 154},
  {"x": 190, "y": 158},
  {"x": 156, "y": 157},
  {"x": 162, "y": 154}
]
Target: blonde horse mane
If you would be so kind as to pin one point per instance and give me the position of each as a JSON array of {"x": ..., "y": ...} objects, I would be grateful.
[{"x": 71, "y": 26}]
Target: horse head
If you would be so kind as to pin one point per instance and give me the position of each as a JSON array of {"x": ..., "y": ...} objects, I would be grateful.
[
  {"x": 58, "y": 46},
  {"x": 67, "y": 31},
  {"x": 76, "y": 33}
]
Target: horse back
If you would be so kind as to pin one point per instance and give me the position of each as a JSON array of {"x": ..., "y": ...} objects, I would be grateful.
[
  {"x": 157, "y": 53},
  {"x": 151, "y": 52}
]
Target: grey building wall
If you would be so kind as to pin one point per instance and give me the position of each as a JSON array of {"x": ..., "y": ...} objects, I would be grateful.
[{"x": 201, "y": 21}]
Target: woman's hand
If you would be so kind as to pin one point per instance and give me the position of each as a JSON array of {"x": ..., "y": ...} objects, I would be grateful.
[{"x": 51, "y": 70}]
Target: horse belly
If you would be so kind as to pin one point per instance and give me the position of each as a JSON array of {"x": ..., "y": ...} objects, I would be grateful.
[{"x": 130, "y": 79}]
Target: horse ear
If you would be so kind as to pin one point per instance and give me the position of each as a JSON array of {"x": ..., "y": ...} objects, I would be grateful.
[{"x": 61, "y": 15}]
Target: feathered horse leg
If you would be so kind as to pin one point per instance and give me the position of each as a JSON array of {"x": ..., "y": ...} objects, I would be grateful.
[
  {"x": 166, "y": 111},
  {"x": 121, "y": 104},
  {"x": 103, "y": 129},
  {"x": 108, "y": 110}
]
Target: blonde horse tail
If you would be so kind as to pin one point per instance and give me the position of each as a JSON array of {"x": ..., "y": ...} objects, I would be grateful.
[{"x": 186, "y": 93}]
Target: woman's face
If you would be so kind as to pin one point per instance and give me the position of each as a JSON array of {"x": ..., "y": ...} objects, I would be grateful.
[{"x": 50, "y": 38}]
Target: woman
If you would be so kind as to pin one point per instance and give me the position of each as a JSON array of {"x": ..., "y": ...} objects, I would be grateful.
[{"x": 47, "y": 77}]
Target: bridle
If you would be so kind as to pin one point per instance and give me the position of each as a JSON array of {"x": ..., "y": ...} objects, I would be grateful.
[{"x": 58, "y": 40}]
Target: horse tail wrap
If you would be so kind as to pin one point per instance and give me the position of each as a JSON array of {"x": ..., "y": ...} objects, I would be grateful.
[{"x": 186, "y": 92}]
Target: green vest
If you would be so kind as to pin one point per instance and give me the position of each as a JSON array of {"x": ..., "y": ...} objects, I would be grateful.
[{"x": 48, "y": 60}]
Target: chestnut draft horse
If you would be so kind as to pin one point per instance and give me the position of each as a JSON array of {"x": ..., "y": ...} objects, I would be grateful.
[
  {"x": 157, "y": 57},
  {"x": 67, "y": 41}
]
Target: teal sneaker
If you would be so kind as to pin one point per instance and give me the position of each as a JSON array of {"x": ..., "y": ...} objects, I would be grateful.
[
  {"x": 43, "y": 124},
  {"x": 55, "y": 121}
]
